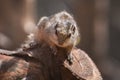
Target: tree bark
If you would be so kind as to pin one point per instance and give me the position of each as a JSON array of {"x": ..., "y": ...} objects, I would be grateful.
[{"x": 45, "y": 65}]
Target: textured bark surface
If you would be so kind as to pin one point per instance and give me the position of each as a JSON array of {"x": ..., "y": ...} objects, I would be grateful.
[
  {"x": 12, "y": 68},
  {"x": 45, "y": 65},
  {"x": 83, "y": 66}
]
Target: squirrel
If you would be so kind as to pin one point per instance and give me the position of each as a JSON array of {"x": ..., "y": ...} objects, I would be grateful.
[{"x": 57, "y": 30}]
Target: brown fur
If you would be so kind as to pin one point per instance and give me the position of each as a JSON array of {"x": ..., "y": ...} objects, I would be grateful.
[{"x": 12, "y": 68}]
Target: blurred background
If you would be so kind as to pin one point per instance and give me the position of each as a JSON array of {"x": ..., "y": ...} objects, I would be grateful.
[{"x": 98, "y": 20}]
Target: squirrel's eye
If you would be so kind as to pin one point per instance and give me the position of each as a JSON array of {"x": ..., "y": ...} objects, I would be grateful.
[
  {"x": 56, "y": 32},
  {"x": 56, "y": 25},
  {"x": 73, "y": 28}
]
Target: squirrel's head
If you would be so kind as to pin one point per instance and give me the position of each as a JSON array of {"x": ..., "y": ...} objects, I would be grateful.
[{"x": 60, "y": 29}]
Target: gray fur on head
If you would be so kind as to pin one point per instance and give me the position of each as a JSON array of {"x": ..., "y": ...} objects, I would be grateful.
[
  {"x": 59, "y": 29},
  {"x": 65, "y": 24}
]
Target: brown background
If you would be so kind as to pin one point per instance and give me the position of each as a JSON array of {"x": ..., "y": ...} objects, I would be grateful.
[{"x": 98, "y": 20}]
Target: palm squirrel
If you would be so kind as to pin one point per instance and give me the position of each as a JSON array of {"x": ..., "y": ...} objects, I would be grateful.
[{"x": 57, "y": 30}]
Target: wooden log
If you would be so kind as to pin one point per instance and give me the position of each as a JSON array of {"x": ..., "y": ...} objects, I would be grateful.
[{"x": 45, "y": 65}]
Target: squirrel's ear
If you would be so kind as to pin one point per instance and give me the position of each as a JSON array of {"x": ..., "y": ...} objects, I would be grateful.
[{"x": 42, "y": 22}]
